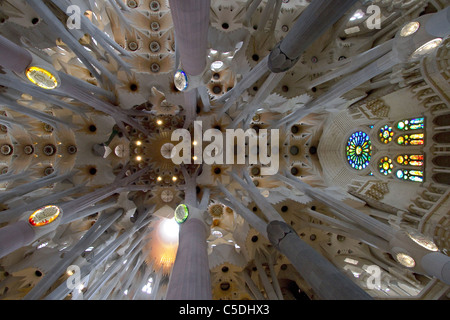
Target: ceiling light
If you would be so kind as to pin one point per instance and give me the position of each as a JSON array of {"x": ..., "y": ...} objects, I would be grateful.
[
  {"x": 405, "y": 260},
  {"x": 42, "y": 78},
  {"x": 426, "y": 48},
  {"x": 423, "y": 241},
  {"x": 409, "y": 29},
  {"x": 159, "y": 122}
]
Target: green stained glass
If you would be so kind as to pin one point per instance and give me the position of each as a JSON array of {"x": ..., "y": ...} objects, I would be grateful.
[
  {"x": 385, "y": 166},
  {"x": 411, "y": 175},
  {"x": 411, "y": 124},
  {"x": 386, "y": 134},
  {"x": 181, "y": 213}
]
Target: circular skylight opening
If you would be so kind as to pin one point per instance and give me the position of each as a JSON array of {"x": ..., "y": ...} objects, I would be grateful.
[{"x": 216, "y": 65}]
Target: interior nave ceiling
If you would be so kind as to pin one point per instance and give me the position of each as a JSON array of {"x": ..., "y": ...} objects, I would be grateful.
[{"x": 363, "y": 145}]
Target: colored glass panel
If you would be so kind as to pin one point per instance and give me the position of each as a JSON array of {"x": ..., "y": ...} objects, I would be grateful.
[
  {"x": 415, "y": 160},
  {"x": 385, "y": 166},
  {"x": 411, "y": 124},
  {"x": 411, "y": 175},
  {"x": 386, "y": 134},
  {"x": 413, "y": 139},
  {"x": 359, "y": 150}
]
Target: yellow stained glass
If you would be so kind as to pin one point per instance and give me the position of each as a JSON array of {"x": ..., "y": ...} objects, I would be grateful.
[{"x": 42, "y": 78}]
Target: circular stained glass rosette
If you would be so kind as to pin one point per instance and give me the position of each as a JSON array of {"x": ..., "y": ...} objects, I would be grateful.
[
  {"x": 181, "y": 213},
  {"x": 385, "y": 166},
  {"x": 386, "y": 134},
  {"x": 359, "y": 150}
]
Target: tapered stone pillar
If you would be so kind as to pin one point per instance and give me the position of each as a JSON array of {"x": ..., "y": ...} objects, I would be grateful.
[
  {"x": 190, "y": 278},
  {"x": 437, "y": 264},
  {"x": 15, "y": 236},
  {"x": 191, "y": 22},
  {"x": 14, "y": 57},
  {"x": 323, "y": 277},
  {"x": 318, "y": 17}
]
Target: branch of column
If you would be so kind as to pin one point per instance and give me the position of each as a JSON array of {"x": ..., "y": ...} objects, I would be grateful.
[
  {"x": 103, "y": 223},
  {"x": 323, "y": 277}
]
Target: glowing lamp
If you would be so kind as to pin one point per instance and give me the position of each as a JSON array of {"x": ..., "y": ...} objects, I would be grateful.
[
  {"x": 405, "y": 260},
  {"x": 422, "y": 241},
  {"x": 42, "y": 78},
  {"x": 426, "y": 48},
  {"x": 409, "y": 29},
  {"x": 181, "y": 213},
  {"x": 44, "y": 216}
]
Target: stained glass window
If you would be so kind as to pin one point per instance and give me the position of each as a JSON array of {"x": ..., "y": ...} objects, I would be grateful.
[
  {"x": 412, "y": 175},
  {"x": 411, "y": 124},
  {"x": 415, "y": 160},
  {"x": 386, "y": 134},
  {"x": 407, "y": 132},
  {"x": 181, "y": 213},
  {"x": 385, "y": 166},
  {"x": 359, "y": 150},
  {"x": 413, "y": 139}
]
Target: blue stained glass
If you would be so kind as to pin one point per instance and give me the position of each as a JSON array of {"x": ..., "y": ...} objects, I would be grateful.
[{"x": 359, "y": 150}]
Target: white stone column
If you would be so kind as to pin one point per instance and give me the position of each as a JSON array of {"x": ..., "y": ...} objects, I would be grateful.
[
  {"x": 190, "y": 278},
  {"x": 191, "y": 22},
  {"x": 14, "y": 57},
  {"x": 323, "y": 277}
]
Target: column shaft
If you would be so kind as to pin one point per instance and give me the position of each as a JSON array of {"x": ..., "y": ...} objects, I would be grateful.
[
  {"x": 15, "y": 236},
  {"x": 318, "y": 17},
  {"x": 14, "y": 57},
  {"x": 191, "y": 21},
  {"x": 190, "y": 278},
  {"x": 325, "y": 279}
]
